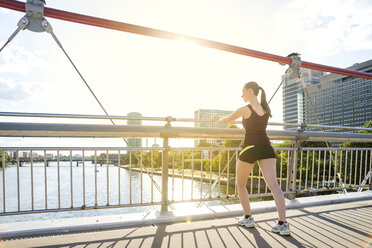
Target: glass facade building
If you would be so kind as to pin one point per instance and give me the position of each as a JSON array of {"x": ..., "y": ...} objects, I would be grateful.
[
  {"x": 134, "y": 142},
  {"x": 338, "y": 100},
  {"x": 293, "y": 96},
  {"x": 207, "y": 114},
  {"x": 341, "y": 100}
]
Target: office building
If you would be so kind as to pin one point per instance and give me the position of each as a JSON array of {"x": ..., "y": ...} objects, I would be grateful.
[
  {"x": 293, "y": 96},
  {"x": 134, "y": 142},
  {"x": 341, "y": 100},
  {"x": 338, "y": 100},
  {"x": 207, "y": 114}
]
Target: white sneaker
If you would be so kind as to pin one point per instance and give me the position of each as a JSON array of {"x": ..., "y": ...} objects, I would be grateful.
[
  {"x": 249, "y": 222},
  {"x": 281, "y": 229}
]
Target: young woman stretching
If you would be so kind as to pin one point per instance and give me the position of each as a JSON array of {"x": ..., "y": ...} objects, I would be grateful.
[{"x": 256, "y": 147}]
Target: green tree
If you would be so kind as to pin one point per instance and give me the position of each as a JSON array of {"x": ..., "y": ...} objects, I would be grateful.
[
  {"x": 282, "y": 157},
  {"x": 230, "y": 154},
  {"x": 203, "y": 143},
  {"x": 232, "y": 143},
  {"x": 357, "y": 155},
  {"x": 6, "y": 156},
  {"x": 367, "y": 124},
  {"x": 310, "y": 165},
  {"x": 131, "y": 158}
]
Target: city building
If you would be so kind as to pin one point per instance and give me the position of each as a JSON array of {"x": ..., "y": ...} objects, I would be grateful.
[
  {"x": 338, "y": 100},
  {"x": 293, "y": 96},
  {"x": 134, "y": 142},
  {"x": 22, "y": 154},
  {"x": 12, "y": 154},
  {"x": 341, "y": 100},
  {"x": 207, "y": 114}
]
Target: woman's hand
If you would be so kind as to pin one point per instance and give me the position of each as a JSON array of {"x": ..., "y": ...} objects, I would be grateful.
[{"x": 216, "y": 118}]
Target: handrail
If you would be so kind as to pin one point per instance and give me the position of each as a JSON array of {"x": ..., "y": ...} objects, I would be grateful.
[
  {"x": 130, "y": 28},
  {"x": 168, "y": 119},
  {"x": 104, "y": 148},
  {"x": 14, "y": 129}
]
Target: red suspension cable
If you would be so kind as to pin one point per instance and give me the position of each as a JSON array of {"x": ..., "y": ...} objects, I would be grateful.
[{"x": 104, "y": 23}]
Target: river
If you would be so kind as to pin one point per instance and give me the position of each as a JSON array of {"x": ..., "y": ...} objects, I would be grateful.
[{"x": 11, "y": 194}]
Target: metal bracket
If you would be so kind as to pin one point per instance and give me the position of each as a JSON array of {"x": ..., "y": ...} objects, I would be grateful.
[
  {"x": 169, "y": 119},
  {"x": 22, "y": 24},
  {"x": 302, "y": 127},
  {"x": 296, "y": 65},
  {"x": 34, "y": 19}
]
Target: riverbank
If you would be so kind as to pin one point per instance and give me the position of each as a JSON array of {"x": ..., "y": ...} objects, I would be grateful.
[{"x": 206, "y": 177}]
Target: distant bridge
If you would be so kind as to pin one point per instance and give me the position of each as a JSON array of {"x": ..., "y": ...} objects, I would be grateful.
[{"x": 78, "y": 161}]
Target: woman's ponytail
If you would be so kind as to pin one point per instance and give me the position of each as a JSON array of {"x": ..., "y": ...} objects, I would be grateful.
[
  {"x": 256, "y": 88},
  {"x": 264, "y": 104}
]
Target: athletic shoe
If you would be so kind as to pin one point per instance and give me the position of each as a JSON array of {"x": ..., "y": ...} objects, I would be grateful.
[
  {"x": 281, "y": 229},
  {"x": 249, "y": 222}
]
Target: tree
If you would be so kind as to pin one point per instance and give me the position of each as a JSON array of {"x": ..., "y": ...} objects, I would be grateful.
[
  {"x": 367, "y": 124},
  {"x": 230, "y": 154},
  {"x": 232, "y": 143},
  {"x": 358, "y": 155},
  {"x": 7, "y": 157},
  {"x": 203, "y": 143}
]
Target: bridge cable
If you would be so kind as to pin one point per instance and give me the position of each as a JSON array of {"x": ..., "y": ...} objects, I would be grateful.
[
  {"x": 39, "y": 24},
  {"x": 10, "y": 38},
  {"x": 296, "y": 65},
  {"x": 136, "y": 156},
  {"x": 287, "y": 73}
]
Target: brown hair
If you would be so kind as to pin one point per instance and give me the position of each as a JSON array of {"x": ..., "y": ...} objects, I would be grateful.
[{"x": 255, "y": 87}]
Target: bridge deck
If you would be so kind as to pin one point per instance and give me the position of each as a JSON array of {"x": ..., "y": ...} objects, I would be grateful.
[{"x": 345, "y": 224}]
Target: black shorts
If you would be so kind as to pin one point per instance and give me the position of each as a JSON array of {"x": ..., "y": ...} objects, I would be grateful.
[{"x": 251, "y": 154}]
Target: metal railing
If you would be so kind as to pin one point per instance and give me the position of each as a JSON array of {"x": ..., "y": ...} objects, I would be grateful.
[
  {"x": 74, "y": 178},
  {"x": 168, "y": 119},
  {"x": 194, "y": 174}
]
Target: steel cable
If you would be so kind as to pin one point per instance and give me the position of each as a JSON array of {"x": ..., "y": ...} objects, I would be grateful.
[{"x": 100, "y": 104}]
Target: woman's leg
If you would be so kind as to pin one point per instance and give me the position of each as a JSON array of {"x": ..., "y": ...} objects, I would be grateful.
[
  {"x": 268, "y": 168},
  {"x": 243, "y": 169}
]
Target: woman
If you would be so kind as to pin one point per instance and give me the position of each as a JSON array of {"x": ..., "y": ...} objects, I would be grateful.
[{"x": 256, "y": 147}]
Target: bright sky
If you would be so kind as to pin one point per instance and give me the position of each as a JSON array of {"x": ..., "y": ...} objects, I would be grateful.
[{"x": 133, "y": 73}]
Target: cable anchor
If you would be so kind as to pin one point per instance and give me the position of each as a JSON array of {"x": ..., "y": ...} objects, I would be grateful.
[
  {"x": 34, "y": 19},
  {"x": 295, "y": 66}
]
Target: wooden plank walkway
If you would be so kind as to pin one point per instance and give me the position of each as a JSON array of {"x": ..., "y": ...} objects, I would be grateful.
[{"x": 335, "y": 225}]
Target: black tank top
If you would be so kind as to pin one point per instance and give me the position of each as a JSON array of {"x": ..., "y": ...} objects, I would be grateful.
[{"x": 255, "y": 129}]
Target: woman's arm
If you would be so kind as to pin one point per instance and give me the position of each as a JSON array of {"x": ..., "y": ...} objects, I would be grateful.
[{"x": 231, "y": 117}]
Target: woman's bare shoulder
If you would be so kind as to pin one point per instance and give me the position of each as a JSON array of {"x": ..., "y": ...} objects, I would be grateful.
[{"x": 246, "y": 112}]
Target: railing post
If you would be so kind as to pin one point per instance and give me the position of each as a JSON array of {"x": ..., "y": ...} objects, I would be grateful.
[
  {"x": 370, "y": 169},
  {"x": 164, "y": 177},
  {"x": 292, "y": 175}
]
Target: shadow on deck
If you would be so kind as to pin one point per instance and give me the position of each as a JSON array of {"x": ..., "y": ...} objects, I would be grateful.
[{"x": 345, "y": 224}]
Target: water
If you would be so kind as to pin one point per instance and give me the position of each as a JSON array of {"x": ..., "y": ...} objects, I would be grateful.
[{"x": 76, "y": 198}]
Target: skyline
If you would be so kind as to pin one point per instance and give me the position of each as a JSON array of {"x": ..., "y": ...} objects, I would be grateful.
[{"x": 121, "y": 68}]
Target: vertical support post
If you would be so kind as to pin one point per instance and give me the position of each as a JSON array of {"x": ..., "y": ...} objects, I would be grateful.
[
  {"x": 370, "y": 169},
  {"x": 3, "y": 168},
  {"x": 18, "y": 187},
  {"x": 164, "y": 179},
  {"x": 71, "y": 182},
  {"x": 292, "y": 175}
]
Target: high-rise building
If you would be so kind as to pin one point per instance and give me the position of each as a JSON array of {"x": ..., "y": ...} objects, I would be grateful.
[
  {"x": 207, "y": 114},
  {"x": 134, "y": 142},
  {"x": 341, "y": 100},
  {"x": 293, "y": 96}
]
